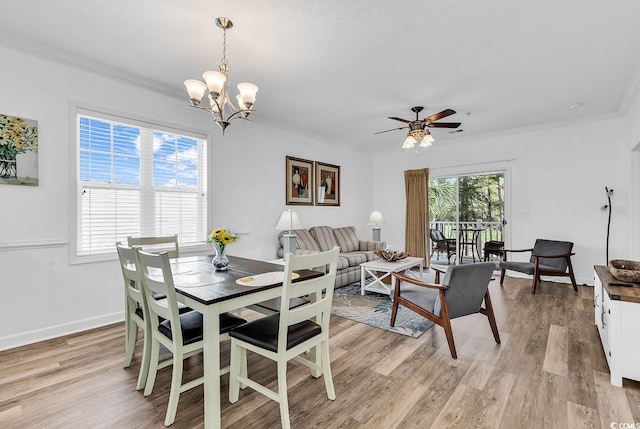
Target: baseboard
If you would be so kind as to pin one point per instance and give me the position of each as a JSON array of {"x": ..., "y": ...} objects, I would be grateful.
[{"x": 30, "y": 337}]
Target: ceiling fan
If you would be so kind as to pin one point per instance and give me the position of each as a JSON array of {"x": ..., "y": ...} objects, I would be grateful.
[{"x": 418, "y": 134}]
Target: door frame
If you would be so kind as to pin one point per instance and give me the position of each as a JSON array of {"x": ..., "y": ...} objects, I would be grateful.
[{"x": 480, "y": 170}]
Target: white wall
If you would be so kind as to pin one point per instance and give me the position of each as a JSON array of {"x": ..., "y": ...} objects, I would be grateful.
[
  {"x": 42, "y": 294},
  {"x": 557, "y": 175}
]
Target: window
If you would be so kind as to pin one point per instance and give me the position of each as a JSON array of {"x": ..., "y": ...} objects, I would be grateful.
[{"x": 137, "y": 180}]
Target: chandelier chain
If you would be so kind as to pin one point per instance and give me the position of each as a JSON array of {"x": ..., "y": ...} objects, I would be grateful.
[{"x": 223, "y": 61}]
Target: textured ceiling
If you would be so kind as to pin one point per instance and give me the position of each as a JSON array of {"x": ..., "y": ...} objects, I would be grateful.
[{"x": 336, "y": 69}]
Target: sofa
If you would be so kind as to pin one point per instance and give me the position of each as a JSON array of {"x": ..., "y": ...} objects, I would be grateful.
[{"x": 353, "y": 251}]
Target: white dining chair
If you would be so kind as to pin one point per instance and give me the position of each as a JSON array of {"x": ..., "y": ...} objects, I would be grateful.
[
  {"x": 181, "y": 334},
  {"x": 291, "y": 332},
  {"x": 168, "y": 243},
  {"x": 134, "y": 312}
]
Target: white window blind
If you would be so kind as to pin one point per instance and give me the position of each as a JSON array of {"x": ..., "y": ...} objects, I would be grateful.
[{"x": 139, "y": 181}]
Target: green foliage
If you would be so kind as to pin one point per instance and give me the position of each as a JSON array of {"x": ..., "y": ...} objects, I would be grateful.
[{"x": 481, "y": 197}]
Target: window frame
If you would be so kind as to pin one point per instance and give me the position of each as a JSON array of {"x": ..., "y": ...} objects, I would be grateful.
[{"x": 75, "y": 184}]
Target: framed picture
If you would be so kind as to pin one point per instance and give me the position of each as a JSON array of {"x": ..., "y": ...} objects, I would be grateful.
[
  {"x": 299, "y": 181},
  {"x": 18, "y": 151},
  {"x": 328, "y": 178}
]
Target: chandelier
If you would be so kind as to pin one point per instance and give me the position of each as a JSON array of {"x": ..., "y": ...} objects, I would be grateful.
[{"x": 216, "y": 84}]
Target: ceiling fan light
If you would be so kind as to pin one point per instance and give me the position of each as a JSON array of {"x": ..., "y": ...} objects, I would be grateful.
[
  {"x": 425, "y": 142},
  {"x": 215, "y": 81},
  {"x": 409, "y": 142}
]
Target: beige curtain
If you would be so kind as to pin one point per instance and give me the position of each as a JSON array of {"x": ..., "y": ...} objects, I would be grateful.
[{"x": 417, "y": 222}]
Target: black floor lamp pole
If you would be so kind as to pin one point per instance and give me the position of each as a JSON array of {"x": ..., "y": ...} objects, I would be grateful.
[{"x": 608, "y": 206}]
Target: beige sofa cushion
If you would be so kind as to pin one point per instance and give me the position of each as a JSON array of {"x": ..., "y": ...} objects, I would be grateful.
[
  {"x": 324, "y": 237},
  {"x": 304, "y": 240},
  {"x": 347, "y": 239}
]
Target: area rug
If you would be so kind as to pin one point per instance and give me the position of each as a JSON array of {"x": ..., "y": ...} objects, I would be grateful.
[{"x": 375, "y": 310}]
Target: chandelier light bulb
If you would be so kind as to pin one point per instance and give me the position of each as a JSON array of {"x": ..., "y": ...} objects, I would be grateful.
[{"x": 215, "y": 81}]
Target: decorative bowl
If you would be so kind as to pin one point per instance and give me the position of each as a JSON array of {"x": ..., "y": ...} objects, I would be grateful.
[
  {"x": 626, "y": 271},
  {"x": 391, "y": 255}
]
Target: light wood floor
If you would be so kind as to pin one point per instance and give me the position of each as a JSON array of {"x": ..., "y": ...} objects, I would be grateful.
[{"x": 549, "y": 371}]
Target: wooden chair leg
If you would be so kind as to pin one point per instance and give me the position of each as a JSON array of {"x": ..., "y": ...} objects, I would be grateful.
[
  {"x": 502, "y": 272},
  {"x": 449, "y": 333},
  {"x": 282, "y": 394},
  {"x": 144, "y": 365},
  {"x": 176, "y": 384},
  {"x": 394, "y": 312},
  {"x": 536, "y": 278},
  {"x": 235, "y": 370},
  {"x": 572, "y": 276},
  {"x": 491, "y": 317},
  {"x": 131, "y": 336},
  {"x": 153, "y": 367},
  {"x": 326, "y": 370}
]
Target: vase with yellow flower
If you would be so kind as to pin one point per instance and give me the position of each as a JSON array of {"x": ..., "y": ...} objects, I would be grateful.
[{"x": 220, "y": 238}]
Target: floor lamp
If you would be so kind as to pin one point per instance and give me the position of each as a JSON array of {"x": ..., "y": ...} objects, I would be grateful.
[
  {"x": 376, "y": 219},
  {"x": 289, "y": 220},
  {"x": 608, "y": 206}
]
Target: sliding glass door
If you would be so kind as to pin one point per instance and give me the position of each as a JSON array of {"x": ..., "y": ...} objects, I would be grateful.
[{"x": 470, "y": 210}]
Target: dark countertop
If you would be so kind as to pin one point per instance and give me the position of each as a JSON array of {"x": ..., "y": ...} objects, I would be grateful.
[{"x": 618, "y": 293}]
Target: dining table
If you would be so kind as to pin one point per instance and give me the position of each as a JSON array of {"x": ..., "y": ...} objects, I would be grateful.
[{"x": 211, "y": 293}]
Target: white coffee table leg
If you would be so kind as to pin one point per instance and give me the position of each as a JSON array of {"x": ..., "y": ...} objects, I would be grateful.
[{"x": 363, "y": 276}]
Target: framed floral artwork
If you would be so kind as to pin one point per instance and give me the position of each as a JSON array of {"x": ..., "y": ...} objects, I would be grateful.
[
  {"x": 328, "y": 180},
  {"x": 18, "y": 151},
  {"x": 299, "y": 181}
]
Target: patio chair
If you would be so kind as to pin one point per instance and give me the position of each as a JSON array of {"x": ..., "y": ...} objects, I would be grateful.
[
  {"x": 548, "y": 258},
  {"x": 440, "y": 244},
  {"x": 461, "y": 293}
]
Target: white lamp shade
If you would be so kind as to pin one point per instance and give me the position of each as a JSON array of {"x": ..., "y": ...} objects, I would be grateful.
[
  {"x": 289, "y": 220},
  {"x": 215, "y": 81},
  {"x": 409, "y": 142},
  {"x": 376, "y": 218},
  {"x": 240, "y": 101},
  {"x": 248, "y": 93},
  {"x": 195, "y": 88},
  {"x": 427, "y": 140}
]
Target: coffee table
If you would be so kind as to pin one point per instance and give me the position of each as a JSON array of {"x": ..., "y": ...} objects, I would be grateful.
[{"x": 374, "y": 268}]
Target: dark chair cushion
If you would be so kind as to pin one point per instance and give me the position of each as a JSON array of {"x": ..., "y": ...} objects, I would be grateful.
[
  {"x": 274, "y": 304},
  {"x": 191, "y": 325},
  {"x": 527, "y": 267},
  {"x": 263, "y": 332}
]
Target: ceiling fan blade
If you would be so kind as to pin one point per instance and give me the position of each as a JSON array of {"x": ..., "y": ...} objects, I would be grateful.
[
  {"x": 444, "y": 124},
  {"x": 399, "y": 119},
  {"x": 439, "y": 115},
  {"x": 393, "y": 129}
]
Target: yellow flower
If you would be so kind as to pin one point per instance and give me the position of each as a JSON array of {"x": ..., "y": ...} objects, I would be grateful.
[{"x": 222, "y": 236}]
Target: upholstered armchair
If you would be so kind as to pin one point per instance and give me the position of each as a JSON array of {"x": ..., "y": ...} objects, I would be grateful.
[
  {"x": 548, "y": 258},
  {"x": 461, "y": 293}
]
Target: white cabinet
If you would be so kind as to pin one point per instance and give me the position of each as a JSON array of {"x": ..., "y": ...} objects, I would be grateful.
[{"x": 617, "y": 316}]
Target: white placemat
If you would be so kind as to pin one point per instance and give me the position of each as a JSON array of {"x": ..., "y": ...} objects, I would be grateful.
[
  {"x": 265, "y": 279},
  {"x": 196, "y": 280}
]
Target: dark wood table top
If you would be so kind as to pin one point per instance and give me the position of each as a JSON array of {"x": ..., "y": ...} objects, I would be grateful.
[
  {"x": 618, "y": 293},
  {"x": 196, "y": 278}
]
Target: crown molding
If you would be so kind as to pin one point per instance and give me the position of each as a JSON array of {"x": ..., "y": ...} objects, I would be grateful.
[{"x": 68, "y": 59}]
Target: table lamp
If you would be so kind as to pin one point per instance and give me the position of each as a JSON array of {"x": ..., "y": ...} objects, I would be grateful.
[
  {"x": 376, "y": 219},
  {"x": 289, "y": 220}
]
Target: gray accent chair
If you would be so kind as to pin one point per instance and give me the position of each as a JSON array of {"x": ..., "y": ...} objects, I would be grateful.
[
  {"x": 461, "y": 293},
  {"x": 548, "y": 258}
]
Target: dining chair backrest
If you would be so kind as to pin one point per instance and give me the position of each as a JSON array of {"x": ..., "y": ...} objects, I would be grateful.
[
  {"x": 320, "y": 290},
  {"x": 167, "y": 243},
  {"x": 467, "y": 287},
  {"x": 552, "y": 247},
  {"x": 155, "y": 272},
  {"x": 134, "y": 293}
]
